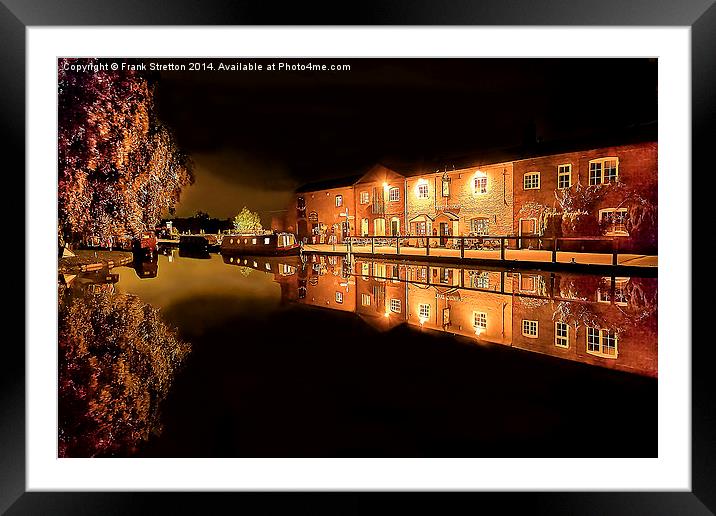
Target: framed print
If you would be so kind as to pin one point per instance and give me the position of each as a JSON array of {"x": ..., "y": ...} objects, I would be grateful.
[{"x": 405, "y": 251}]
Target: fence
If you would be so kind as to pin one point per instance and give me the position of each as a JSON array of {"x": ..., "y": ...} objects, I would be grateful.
[{"x": 394, "y": 244}]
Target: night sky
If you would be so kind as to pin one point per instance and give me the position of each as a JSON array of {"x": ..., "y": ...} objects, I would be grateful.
[{"x": 255, "y": 136}]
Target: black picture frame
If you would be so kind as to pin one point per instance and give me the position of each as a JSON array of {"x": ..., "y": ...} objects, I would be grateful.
[{"x": 699, "y": 15}]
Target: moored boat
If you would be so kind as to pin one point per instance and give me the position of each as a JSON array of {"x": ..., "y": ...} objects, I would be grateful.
[
  {"x": 269, "y": 243},
  {"x": 209, "y": 243}
]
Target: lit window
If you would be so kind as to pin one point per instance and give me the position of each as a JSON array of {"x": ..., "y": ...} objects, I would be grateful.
[
  {"x": 603, "y": 170},
  {"x": 480, "y": 226},
  {"x": 268, "y": 266},
  {"x": 479, "y": 320},
  {"x": 365, "y": 299},
  {"x": 424, "y": 312},
  {"x": 613, "y": 221},
  {"x": 339, "y": 297},
  {"x": 531, "y": 181},
  {"x": 561, "y": 335},
  {"x": 564, "y": 176},
  {"x": 423, "y": 190},
  {"x": 365, "y": 269},
  {"x": 364, "y": 197},
  {"x": 395, "y": 306},
  {"x": 602, "y": 342},
  {"x": 253, "y": 240},
  {"x": 530, "y": 328},
  {"x": 394, "y": 194},
  {"x": 267, "y": 240},
  {"x": 339, "y": 201},
  {"x": 480, "y": 184}
]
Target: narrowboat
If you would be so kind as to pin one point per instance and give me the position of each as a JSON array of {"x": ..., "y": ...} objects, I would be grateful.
[
  {"x": 274, "y": 244},
  {"x": 208, "y": 243}
]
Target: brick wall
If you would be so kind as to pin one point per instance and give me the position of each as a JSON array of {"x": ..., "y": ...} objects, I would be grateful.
[
  {"x": 637, "y": 175},
  {"x": 463, "y": 199},
  {"x": 323, "y": 204}
]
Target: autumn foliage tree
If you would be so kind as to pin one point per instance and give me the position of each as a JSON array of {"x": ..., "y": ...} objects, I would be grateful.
[{"x": 119, "y": 167}]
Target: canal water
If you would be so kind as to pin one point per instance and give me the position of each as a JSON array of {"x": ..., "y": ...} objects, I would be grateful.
[{"x": 211, "y": 356}]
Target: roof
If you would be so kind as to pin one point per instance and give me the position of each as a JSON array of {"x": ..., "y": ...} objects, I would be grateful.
[
  {"x": 327, "y": 184},
  {"x": 631, "y": 135}
]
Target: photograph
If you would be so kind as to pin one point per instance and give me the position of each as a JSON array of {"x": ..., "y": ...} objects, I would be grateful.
[{"x": 357, "y": 257}]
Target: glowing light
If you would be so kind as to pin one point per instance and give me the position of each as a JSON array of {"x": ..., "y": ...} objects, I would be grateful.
[
  {"x": 385, "y": 185},
  {"x": 422, "y": 320},
  {"x": 387, "y": 314}
]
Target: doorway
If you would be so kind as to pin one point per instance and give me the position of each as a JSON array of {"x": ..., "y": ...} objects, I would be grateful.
[{"x": 444, "y": 233}]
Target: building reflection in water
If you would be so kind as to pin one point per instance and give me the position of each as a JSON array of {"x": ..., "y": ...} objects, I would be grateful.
[
  {"x": 602, "y": 321},
  {"x": 117, "y": 361}
]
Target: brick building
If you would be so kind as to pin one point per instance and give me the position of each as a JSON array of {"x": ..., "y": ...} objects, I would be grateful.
[
  {"x": 474, "y": 200},
  {"x": 600, "y": 194},
  {"x": 604, "y": 192},
  {"x": 323, "y": 209},
  {"x": 380, "y": 202}
]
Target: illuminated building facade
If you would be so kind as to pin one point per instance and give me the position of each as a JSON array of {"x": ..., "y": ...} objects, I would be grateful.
[{"x": 601, "y": 195}]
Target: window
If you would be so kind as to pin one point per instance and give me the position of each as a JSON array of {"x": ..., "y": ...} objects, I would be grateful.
[
  {"x": 531, "y": 181},
  {"x": 267, "y": 240},
  {"x": 601, "y": 342},
  {"x": 423, "y": 191},
  {"x": 603, "y": 170},
  {"x": 424, "y": 312},
  {"x": 339, "y": 297},
  {"x": 613, "y": 221},
  {"x": 364, "y": 197},
  {"x": 480, "y": 280},
  {"x": 446, "y": 186},
  {"x": 268, "y": 266},
  {"x": 394, "y": 194},
  {"x": 564, "y": 176},
  {"x": 379, "y": 227},
  {"x": 530, "y": 328},
  {"x": 365, "y": 269},
  {"x": 253, "y": 241},
  {"x": 365, "y": 299},
  {"x": 604, "y": 292},
  {"x": 339, "y": 201},
  {"x": 561, "y": 335},
  {"x": 364, "y": 223},
  {"x": 480, "y": 226},
  {"x": 480, "y": 184},
  {"x": 395, "y": 306},
  {"x": 420, "y": 228},
  {"x": 479, "y": 320}
]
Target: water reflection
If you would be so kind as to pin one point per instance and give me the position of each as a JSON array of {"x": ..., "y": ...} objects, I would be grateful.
[
  {"x": 320, "y": 356},
  {"x": 603, "y": 321},
  {"x": 117, "y": 361}
]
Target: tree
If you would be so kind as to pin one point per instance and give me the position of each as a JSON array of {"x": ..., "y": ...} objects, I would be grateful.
[
  {"x": 119, "y": 166},
  {"x": 247, "y": 221}
]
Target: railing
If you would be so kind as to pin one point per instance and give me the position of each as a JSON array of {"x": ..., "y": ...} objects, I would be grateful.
[{"x": 501, "y": 243}]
